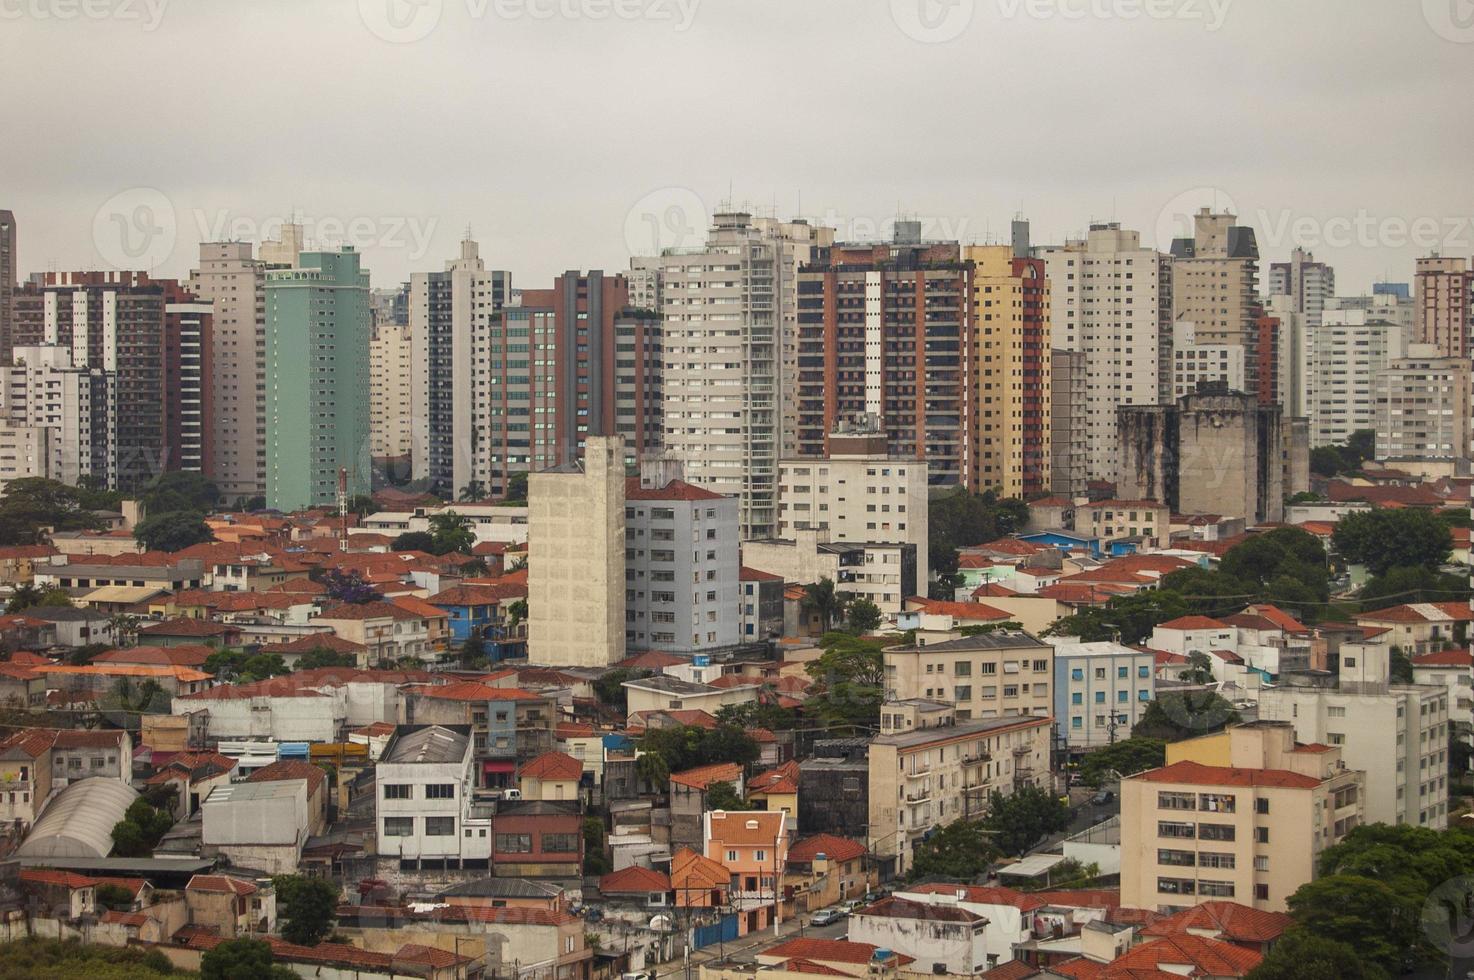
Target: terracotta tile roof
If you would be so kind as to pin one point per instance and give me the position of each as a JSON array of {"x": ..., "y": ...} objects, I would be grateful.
[
  {"x": 1421, "y": 612},
  {"x": 31, "y": 742},
  {"x": 800, "y": 965},
  {"x": 431, "y": 956},
  {"x": 993, "y": 590},
  {"x": 18, "y": 672},
  {"x": 703, "y": 776},
  {"x": 692, "y": 872},
  {"x": 652, "y": 660},
  {"x": 26, "y": 658},
  {"x": 894, "y": 907},
  {"x": 315, "y": 641},
  {"x": 553, "y": 765},
  {"x": 61, "y": 879},
  {"x": 220, "y": 883},
  {"x": 1205, "y": 957},
  {"x": 1012, "y": 970},
  {"x": 130, "y": 885},
  {"x": 369, "y": 610},
  {"x": 691, "y": 717},
  {"x": 78, "y": 738},
  {"x": 971, "y": 611},
  {"x": 831, "y": 846},
  {"x": 182, "y": 674},
  {"x": 783, "y": 779},
  {"x": 1279, "y": 617},
  {"x": 828, "y": 950},
  {"x": 749, "y": 574},
  {"x": 191, "y": 655},
  {"x": 1082, "y": 592},
  {"x": 1081, "y": 898},
  {"x": 187, "y": 626},
  {"x": 1228, "y": 920},
  {"x": 1195, "y": 773},
  {"x": 478, "y": 595},
  {"x": 634, "y": 880},
  {"x": 134, "y": 920},
  {"x": 674, "y": 490},
  {"x": 299, "y": 586},
  {"x": 1452, "y": 657},
  {"x": 377, "y": 728},
  {"x": 474, "y": 691},
  {"x": 745, "y": 827},
  {"x": 1192, "y": 623},
  {"x": 418, "y": 606},
  {"x": 981, "y": 895},
  {"x": 573, "y": 729},
  {"x": 284, "y": 769}
]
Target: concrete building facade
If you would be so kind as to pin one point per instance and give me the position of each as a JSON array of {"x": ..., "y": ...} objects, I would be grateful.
[
  {"x": 858, "y": 492},
  {"x": 317, "y": 370},
  {"x": 1342, "y": 359},
  {"x": 1242, "y": 815},
  {"x": 1306, "y": 283},
  {"x": 42, "y": 391},
  {"x": 1423, "y": 408},
  {"x": 731, "y": 322},
  {"x": 391, "y": 394},
  {"x": 1106, "y": 304},
  {"x": 576, "y": 559},
  {"x": 1215, "y": 282},
  {"x": 991, "y": 675},
  {"x": 9, "y": 247},
  {"x": 1069, "y": 424},
  {"x": 1443, "y": 301},
  {"x": 1100, "y": 691}
]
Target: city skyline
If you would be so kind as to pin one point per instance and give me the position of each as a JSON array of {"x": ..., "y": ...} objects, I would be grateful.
[{"x": 392, "y": 167}]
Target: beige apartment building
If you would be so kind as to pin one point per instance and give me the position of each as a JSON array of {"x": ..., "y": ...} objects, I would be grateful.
[
  {"x": 391, "y": 399},
  {"x": 1443, "y": 297},
  {"x": 992, "y": 675},
  {"x": 1011, "y": 376},
  {"x": 1215, "y": 283},
  {"x": 575, "y": 559},
  {"x": 858, "y": 493},
  {"x": 926, "y": 777},
  {"x": 1109, "y": 300},
  {"x": 1242, "y": 816},
  {"x": 1423, "y": 410},
  {"x": 234, "y": 280}
]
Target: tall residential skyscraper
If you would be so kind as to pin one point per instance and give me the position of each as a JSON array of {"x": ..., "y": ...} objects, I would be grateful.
[
  {"x": 730, "y": 320},
  {"x": 1069, "y": 424},
  {"x": 1215, "y": 284},
  {"x": 318, "y": 327},
  {"x": 150, "y": 338},
  {"x": 1423, "y": 410},
  {"x": 44, "y": 390},
  {"x": 232, "y": 278},
  {"x": 1011, "y": 371},
  {"x": 1342, "y": 358},
  {"x": 1306, "y": 282},
  {"x": 887, "y": 332},
  {"x": 1444, "y": 300},
  {"x": 390, "y": 393},
  {"x": 1106, "y": 303},
  {"x": 453, "y": 362},
  {"x": 576, "y": 559},
  {"x": 7, "y": 279}
]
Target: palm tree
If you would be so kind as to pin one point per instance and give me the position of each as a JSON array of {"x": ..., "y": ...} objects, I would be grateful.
[
  {"x": 821, "y": 600},
  {"x": 124, "y": 628},
  {"x": 22, "y": 598},
  {"x": 651, "y": 767},
  {"x": 472, "y": 492}
]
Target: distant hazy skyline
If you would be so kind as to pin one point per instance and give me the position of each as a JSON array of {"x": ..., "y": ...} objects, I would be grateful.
[{"x": 571, "y": 133}]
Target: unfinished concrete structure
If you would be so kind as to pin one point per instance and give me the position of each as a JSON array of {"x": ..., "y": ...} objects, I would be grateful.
[{"x": 1215, "y": 451}]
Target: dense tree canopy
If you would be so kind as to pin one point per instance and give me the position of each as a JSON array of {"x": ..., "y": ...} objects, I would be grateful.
[
  {"x": 722, "y": 795},
  {"x": 307, "y": 905},
  {"x": 243, "y": 959},
  {"x": 452, "y": 532},
  {"x": 682, "y": 747},
  {"x": 140, "y": 830},
  {"x": 1301, "y": 955},
  {"x": 415, "y": 541},
  {"x": 1019, "y": 821},
  {"x": 961, "y": 849},
  {"x": 1175, "y": 715},
  {"x": 32, "y": 504},
  {"x": 172, "y": 530},
  {"x": 1386, "y": 539},
  {"x": 849, "y": 677},
  {"x": 1329, "y": 461},
  {"x": 960, "y": 519},
  {"x": 1126, "y": 757}
]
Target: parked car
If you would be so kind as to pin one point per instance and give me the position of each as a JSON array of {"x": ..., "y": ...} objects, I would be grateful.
[
  {"x": 848, "y": 908},
  {"x": 825, "y": 917},
  {"x": 1102, "y": 798}
]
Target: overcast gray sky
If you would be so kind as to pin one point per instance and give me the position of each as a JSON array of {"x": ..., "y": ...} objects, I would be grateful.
[{"x": 568, "y": 133}]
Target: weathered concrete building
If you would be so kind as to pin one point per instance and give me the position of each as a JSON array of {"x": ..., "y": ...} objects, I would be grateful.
[{"x": 1213, "y": 452}]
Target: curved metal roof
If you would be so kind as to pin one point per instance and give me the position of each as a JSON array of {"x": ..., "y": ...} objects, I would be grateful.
[{"x": 79, "y": 821}]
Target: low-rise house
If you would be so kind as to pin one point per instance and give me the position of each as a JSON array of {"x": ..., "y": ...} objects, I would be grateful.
[
  {"x": 21, "y": 632},
  {"x": 424, "y": 780},
  {"x": 698, "y": 881},
  {"x": 154, "y": 570},
  {"x": 550, "y": 776},
  {"x": 152, "y": 656},
  {"x": 257, "y": 825},
  {"x": 777, "y": 789},
  {"x": 59, "y": 894},
  {"x": 477, "y": 610},
  {"x": 753, "y": 846},
  {"x": 665, "y": 693},
  {"x": 76, "y": 626},
  {"x": 18, "y": 562},
  {"x": 387, "y": 631},
  {"x": 25, "y": 775},
  {"x": 506, "y": 893},
  {"x": 940, "y": 938},
  {"x": 1422, "y": 627},
  {"x": 550, "y": 943},
  {"x": 507, "y": 724},
  {"x": 826, "y": 869},
  {"x": 1453, "y": 670},
  {"x": 329, "y": 959},
  {"x": 688, "y": 799},
  {"x": 21, "y": 686},
  {"x": 835, "y": 957},
  {"x": 538, "y": 839},
  {"x": 99, "y": 681},
  {"x": 81, "y": 754},
  {"x": 232, "y": 906},
  {"x": 643, "y": 887},
  {"x": 1229, "y": 922}
]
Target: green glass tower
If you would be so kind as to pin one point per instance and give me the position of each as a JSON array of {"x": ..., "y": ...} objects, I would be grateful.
[{"x": 318, "y": 327}]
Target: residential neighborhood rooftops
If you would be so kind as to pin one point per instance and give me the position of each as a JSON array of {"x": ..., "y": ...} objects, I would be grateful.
[
  {"x": 826, "y": 950},
  {"x": 553, "y": 766},
  {"x": 703, "y": 776},
  {"x": 432, "y": 744},
  {"x": 1187, "y": 772}
]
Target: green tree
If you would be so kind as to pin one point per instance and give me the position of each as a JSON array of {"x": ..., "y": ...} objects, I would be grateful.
[
  {"x": 1387, "y": 539},
  {"x": 472, "y": 651},
  {"x": 172, "y": 531},
  {"x": 472, "y": 492},
  {"x": 821, "y": 599},
  {"x": 849, "y": 677},
  {"x": 761, "y": 712},
  {"x": 1300, "y": 955},
  {"x": 114, "y": 897},
  {"x": 595, "y": 860},
  {"x": 1199, "y": 670},
  {"x": 32, "y": 505},
  {"x": 415, "y": 541},
  {"x": 242, "y": 959},
  {"x": 308, "y": 905},
  {"x": 1131, "y": 618},
  {"x": 452, "y": 532},
  {"x": 180, "y": 490},
  {"x": 651, "y": 767},
  {"x": 1019, "y": 821},
  {"x": 863, "y": 617},
  {"x": 721, "y": 795},
  {"x": 516, "y": 493},
  {"x": 1399, "y": 586},
  {"x": 140, "y": 830},
  {"x": 1127, "y": 757},
  {"x": 23, "y": 597},
  {"x": 1176, "y": 715},
  {"x": 323, "y": 657},
  {"x": 961, "y": 849},
  {"x": 516, "y": 612},
  {"x": 1366, "y": 914},
  {"x": 610, "y": 690}
]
